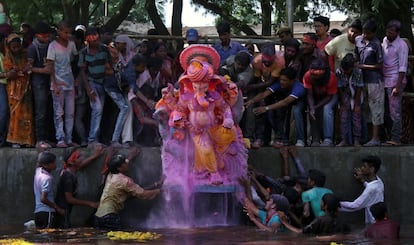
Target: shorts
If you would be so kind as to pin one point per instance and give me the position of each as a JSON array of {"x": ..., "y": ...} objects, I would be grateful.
[
  {"x": 44, "y": 220},
  {"x": 376, "y": 99}
]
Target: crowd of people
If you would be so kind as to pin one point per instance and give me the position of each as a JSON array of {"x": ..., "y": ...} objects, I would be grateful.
[
  {"x": 301, "y": 203},
  {"x": 80, "y": 80}
]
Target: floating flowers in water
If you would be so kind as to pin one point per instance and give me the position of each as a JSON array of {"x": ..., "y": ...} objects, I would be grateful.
[
  {"x": 14, "y": 242},
  {"x": 135, "y": 235}
]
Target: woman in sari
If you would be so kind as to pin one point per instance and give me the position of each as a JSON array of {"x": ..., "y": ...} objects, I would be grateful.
[{"x": 19, "y": 94}]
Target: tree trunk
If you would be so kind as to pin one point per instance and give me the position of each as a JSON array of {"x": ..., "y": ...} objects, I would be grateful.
[
  {"x": 70, "y": 14},
  {"x": 266, "y": 17},
  {"x": 115, "y": 21},
  {"x": 233, "y": 21},
  {"x": 155, "y": 17},
  {"x": 84, "y": 12},
  {"x": 177, "y": 25}
]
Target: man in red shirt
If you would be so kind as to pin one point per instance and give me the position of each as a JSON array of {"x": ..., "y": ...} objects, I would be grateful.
[
  {"x": 322, "y": 87},
  {"x": 383, "y": 228}
]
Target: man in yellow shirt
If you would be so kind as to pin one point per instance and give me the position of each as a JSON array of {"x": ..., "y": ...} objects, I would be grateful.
[{"x": 119, "y": 187}]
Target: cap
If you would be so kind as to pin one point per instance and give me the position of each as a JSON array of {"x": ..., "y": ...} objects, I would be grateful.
[
  {"x": 282, "y": 203},
  {"x": 191, "y": 35},
  {"x": 80, "y": 27},
  {"x": 42, "y": 28}
]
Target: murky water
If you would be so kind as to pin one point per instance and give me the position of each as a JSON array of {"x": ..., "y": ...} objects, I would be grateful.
[{"x": 200, "y": 236}]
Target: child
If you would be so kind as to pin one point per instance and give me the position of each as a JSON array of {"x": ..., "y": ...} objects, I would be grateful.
[
  {"x": 350, "y": 85},
  {"x": 326, "y": 224},
  {"x": 312, "y": 197},
  {"x": 383, "y": 227},
  {"x": 60, "y": 54},
  {"x": 267, "y": 219},
  {"x": 42, "y": 185}
]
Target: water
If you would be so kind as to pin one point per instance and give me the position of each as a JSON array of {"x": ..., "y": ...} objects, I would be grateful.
[{"x": 229, "y": 235}]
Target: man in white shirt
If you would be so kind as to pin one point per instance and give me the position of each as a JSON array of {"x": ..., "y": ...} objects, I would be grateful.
[{"x": 374, "y": 188}]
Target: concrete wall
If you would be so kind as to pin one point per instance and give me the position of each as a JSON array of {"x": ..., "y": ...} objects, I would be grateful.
[{"x": 17, "y": 171}]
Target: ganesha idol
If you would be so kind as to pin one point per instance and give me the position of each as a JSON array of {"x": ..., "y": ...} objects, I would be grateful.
[{"x": 197, "y": 123}]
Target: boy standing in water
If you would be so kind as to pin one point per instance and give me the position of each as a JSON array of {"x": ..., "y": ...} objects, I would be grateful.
[{"x": 43, "y": 190}]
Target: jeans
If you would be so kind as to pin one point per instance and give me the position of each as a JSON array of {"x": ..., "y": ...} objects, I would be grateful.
[
  {"x": 4, "y": 114},
  {"x": 41, "y": 95},
  {"x": 349, "y": 128},
  {"x": 324, "y": 121},
  {"x": 298, "y": 110},
  {"x": 278, "y": 121},
  {"x": 119, "y": 99},
  {"x": 96, "y": 111},
  {"x": 64, "y": 114},
  {"x": 80, "y": 113},
  {"x": 127, "y": 132}
]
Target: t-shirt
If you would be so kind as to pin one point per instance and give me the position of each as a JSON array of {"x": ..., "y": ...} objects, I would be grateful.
[
  {"x": 325, "y": 225},
  {"x": 319, "y": 92},
  {"x": 296, "y": 91},
  {"x": 95, "y": 63},
  {"x": 339, "y": 47},
  {"x": 383, "y": 229},
  {"x": 268, "y": 221},
  {"x": 118, "y": 187},
  {"x": 369, "y": 54},
  {"x": 67, "y": 183},
  {"x": 38, "y": 53},
  {"x": 225, "y": 52},
  {"x": 314, "y": 196},
  {"x": 43, "y": 182},
  {"x": 62, "y": 57},
  {"x": 322, "y": 44}
]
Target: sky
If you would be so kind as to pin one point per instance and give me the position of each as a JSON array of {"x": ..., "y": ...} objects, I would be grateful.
[{"x": 193, "y": 18}]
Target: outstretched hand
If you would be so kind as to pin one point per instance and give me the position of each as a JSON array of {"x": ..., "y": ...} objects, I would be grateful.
[{"x": 133, "y": 152}]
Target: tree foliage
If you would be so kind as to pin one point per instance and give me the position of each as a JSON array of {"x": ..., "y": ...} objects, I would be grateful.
[{"x": 242, "y": 14}]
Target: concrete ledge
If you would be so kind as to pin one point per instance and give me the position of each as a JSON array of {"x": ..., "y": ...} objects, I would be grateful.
[{"x": 17, "y": 171}]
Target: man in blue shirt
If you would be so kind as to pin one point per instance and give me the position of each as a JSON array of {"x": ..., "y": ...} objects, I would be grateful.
[
  {"x": 289, "y": 91},
  {"x": 226, "y": 47}
]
